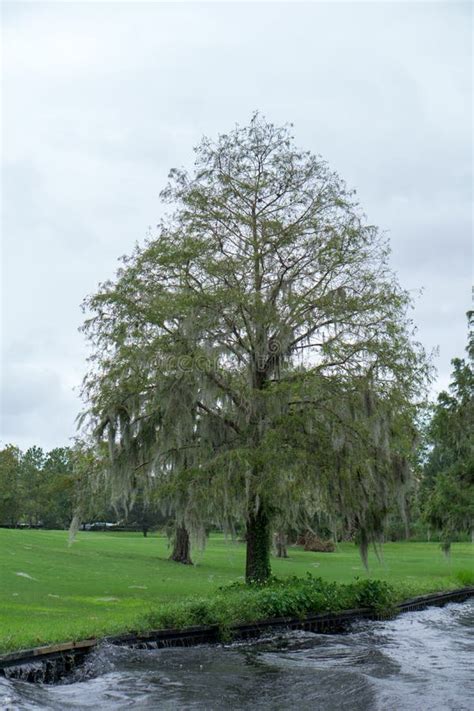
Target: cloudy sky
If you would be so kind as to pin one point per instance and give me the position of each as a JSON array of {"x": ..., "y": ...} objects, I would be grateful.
[{"x": 100, "y": 100}]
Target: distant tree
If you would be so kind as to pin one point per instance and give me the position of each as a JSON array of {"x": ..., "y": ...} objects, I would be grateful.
[
  {"x": 280, "y": 541},
  {"x": 259, "y": 346},
  {"x": 32, "y": 485},
  {"x": 91, "y": 495},
  {"x": 11, "y": 492},
  {"x": 449, "y": 469},
  {"x": 145, "y": 512},
  {"x": 57, "y": 488}
]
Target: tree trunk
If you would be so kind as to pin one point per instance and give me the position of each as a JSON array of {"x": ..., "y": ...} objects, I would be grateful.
[
  {"x": 281, "y": 540},
  {"x": 181, "y": 547},
  {"x": 145, "y": 531},
  {"x": 446, "y": 548},
  {"x": 257, "y": 567}
]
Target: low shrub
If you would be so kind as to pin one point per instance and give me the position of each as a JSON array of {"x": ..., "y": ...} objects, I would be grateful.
[
  {"x": 293, "y": 597},
  {"x": 465, "y": 577},
  {"x": 378, "y": 595}
]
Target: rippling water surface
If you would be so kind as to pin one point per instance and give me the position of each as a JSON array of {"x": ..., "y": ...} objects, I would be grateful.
[{"x": 422, "y": 661}]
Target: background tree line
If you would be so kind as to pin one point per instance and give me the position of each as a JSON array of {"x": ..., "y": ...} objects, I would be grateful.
[
  {"x": 47, "y": 489},
  {"x": 37, "y": 488}
]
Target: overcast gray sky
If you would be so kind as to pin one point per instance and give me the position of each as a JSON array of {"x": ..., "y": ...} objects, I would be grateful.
[{"x": 100, "y": 100}]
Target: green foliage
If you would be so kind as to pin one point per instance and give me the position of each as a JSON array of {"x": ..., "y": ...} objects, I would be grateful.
[
  {"x": 11, "y": 488},
  {"x": 44, "y": 490},
  {"x": 465, "y": 577},
  {"x": 291, "y": 597},
  {"x": 378, "y": 595},
  {"x": 301, "y": 595},
  {"x": 448, "y": 486},
  {"x": 58, "y": 488},
  {"x": 36, "y": 487},
  {"x": 32, "y": 462},
  {"x": 145, "y": 512}
]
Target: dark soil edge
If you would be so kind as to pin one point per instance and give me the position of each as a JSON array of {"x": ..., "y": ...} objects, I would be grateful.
[{"x": 51, "y": 663}]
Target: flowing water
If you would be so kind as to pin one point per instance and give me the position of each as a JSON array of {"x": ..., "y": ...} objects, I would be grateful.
[{"x": 421, "y": 660}]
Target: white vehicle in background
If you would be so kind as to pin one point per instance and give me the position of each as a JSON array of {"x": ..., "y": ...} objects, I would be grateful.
[{"x": 99, "y": 526}]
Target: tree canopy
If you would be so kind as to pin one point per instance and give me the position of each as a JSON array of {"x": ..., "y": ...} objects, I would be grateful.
[{"x": 256, "y": 354}]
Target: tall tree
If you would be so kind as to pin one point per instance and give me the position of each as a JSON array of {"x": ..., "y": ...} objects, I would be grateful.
[
  {"x": 11, "y": 491},
  {"x": 260, "y": 342},
  {"x": 448, "y": 485}
]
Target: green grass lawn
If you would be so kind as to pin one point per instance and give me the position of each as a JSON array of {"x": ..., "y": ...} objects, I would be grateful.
[{"x": 106, "y": 582}]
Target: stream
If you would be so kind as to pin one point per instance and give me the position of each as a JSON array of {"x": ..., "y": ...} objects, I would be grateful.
[{"x": 421, "y": 660}]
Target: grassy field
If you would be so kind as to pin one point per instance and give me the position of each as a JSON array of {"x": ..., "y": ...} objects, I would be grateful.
[{"x": 106, "y": 582}]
